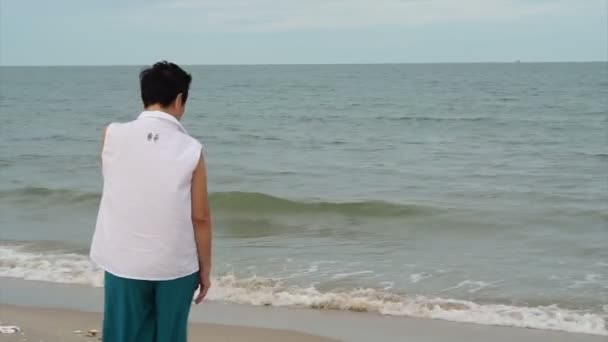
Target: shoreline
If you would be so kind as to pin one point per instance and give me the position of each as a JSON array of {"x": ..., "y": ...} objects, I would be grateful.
[
  {"x": 26, "y": 300},
  {"x": 60, "y": 325}
]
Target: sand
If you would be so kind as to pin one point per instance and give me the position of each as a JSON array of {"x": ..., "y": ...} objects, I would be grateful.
[
  {"x": 32, "y": 306},
  {"x": 58, "y": 325}
]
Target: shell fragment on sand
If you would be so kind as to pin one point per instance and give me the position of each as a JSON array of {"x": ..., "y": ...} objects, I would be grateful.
[
  {"x": 92, "y": 333},
  {"x": 9, "y": 329}
]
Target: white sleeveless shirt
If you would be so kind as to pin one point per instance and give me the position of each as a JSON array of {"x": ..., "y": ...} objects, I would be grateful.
[{"x": 144, "y": 227}]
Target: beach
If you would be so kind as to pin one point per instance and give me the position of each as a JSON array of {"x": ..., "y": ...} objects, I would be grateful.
[
  {"x": 69, "y": 308},
  {"x": 59, "y": 325},
  {"x": 355, "y": 202}
]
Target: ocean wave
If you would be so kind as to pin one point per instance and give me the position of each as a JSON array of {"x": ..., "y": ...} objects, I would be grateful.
[
  {"x": 62, "y": 267},
  {"x": 58, "y": 138},
  {"x": 256, "y": 202},
  {"x": 5, "y": 163},
  {"x": 598, "y": 155},
  {"x": 238, "y": 202},
  {"x": 435, "y": 119},
  {"x": 43, "y": 195},
  {"x": 54, "y": 266}
]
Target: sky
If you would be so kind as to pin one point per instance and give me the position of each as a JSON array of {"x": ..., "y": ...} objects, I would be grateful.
[{"x": 136, "y": 32}]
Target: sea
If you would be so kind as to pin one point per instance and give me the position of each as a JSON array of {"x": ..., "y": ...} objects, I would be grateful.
[{"x": 465, "y": 192}]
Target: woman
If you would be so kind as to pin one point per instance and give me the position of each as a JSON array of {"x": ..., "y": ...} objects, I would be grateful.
[{"x": 153, "y": 232}]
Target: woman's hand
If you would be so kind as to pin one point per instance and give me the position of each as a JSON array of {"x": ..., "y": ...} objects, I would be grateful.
[{"x": 204, "y": 285}]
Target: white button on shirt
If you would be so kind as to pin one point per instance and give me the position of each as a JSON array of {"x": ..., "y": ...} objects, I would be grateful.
[{"x": 144, "y": 227}]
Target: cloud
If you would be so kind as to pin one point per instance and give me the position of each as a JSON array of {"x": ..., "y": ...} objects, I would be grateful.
[{"x": 290, "y": 15}]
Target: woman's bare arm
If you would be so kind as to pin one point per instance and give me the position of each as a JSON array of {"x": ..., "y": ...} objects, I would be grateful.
[{"x": 201, "y": 220}]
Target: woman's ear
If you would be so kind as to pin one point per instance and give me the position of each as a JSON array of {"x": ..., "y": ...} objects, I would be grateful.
[
  {"x": 178, "y": 104},
  {"x": 179, "y": 101}
]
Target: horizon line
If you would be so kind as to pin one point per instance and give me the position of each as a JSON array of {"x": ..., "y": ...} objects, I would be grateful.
[{"x": 300, "y": 64}]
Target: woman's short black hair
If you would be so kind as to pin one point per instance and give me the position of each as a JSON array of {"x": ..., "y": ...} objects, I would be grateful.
[{"x": 162, "y": 82}]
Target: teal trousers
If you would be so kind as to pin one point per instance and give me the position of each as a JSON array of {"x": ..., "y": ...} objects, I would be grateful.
[{"x": 147, "y": 311}]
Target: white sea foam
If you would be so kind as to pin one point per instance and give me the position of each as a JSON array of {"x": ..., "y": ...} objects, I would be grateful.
[
  {"x": 589, "y": 279},
  {"x": 472, "y": 285},
  {"x": 67, "y": 268},
  {"x": 387, "y": 285},
  {"x": 416, "y": 277},
  {"x": 77, "y": 269},
  {"x": 349, "y": 274}
]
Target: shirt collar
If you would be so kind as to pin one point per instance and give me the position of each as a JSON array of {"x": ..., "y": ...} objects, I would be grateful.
[{"x": 156, "y": 114}]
